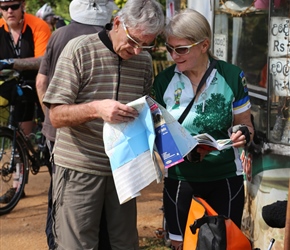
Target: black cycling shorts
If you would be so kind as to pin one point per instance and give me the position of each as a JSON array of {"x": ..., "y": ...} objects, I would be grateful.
[{"x": 225, "y": 196}]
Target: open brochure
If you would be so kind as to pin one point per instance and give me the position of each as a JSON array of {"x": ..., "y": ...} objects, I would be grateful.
[
  {"x": 208, "y": 142},
  {"x": 172, "y": 141},
  {"x": 131, "y": 147}
]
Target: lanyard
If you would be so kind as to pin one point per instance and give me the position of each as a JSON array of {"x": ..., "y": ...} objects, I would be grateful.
[
  {"x": 16, "y": 46},
  {"x": 202, "y": 82}
]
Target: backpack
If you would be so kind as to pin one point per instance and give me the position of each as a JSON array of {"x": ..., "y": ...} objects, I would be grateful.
[{"x": 205, "y": 229}]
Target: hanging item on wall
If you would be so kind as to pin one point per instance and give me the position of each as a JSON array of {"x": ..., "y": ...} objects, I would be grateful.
[
  {"x": 238, "y": 7},
  {"x": 170, "y": 9},
  {"x": 242, "y": 7},
  {"x": 264, "y": 4},
  {"x": 205, "y": 8}
]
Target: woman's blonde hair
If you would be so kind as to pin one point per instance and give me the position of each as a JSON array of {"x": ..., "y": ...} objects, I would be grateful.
[{"x": 191, "y": 25}]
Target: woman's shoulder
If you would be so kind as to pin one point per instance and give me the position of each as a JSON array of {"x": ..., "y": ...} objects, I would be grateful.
[
  {"x": 227, "y": 67},
  {"x": 167, "y": 72}
]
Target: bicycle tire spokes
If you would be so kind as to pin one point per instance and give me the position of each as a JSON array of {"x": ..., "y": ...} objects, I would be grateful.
[
  {"x": 13, "y": 170},
  {"x": 6, "y": 158}
]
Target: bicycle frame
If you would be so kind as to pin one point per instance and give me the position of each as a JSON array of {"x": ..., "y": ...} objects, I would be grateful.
[
  {"x": 31, "y": 153},
  {"x": 18, "y": 153}
]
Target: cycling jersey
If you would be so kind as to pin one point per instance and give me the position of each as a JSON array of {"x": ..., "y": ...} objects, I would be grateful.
[
  {"x": 224, "y": 96},
  {"x": 34, "y": 38},
  {"x": 31, "y": 43}
]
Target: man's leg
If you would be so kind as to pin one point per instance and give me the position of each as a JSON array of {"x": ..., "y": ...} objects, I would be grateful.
[
  {"x": 48, "y": 228},
  {"x": 121, "y": 219},
  {"x": 77, "y": 209},
  {"x": 104, "y": 241}
]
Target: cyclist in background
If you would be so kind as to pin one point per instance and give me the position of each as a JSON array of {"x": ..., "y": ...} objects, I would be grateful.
[
  {"x": 46, "y": 13},
  {"x": 23, "y": 39}
]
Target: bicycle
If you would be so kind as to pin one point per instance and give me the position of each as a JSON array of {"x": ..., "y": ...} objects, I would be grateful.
[{"x": 18, "y": 153}]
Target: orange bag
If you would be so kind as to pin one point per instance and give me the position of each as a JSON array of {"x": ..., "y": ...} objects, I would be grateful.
[{"x": 205, "y": 229}]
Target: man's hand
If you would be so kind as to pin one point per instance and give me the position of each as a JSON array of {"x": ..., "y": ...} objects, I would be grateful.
[
  {"x": 6, "y": 64},
  {"x": 115, "y": 112},
  {"x": 69, "y": 115}
]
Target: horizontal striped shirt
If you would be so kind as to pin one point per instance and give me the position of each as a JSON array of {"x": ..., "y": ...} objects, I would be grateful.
[{"x": 86, "y": 71}]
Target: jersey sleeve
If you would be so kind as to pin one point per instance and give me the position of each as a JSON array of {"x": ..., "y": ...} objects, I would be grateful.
[
  {"x": 236, "y": 80},
  {"x": 41, "y": 35},
  {"x": 242, "y": 99}
]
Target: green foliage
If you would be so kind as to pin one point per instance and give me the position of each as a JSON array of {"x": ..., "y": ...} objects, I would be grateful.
[
  {"x": 61, "y": 8},
  {"x": 120, "y": 3}
]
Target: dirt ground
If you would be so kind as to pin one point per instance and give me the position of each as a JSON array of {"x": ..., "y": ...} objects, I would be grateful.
[{"x": 24, "y": 227}]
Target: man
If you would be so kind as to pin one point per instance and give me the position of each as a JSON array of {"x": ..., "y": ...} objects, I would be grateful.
[
  {"x": 96, "y": 75},
  {"x": 54, "y": 22},
  {"x": 86, "y": 19},
  {"x": 23, "y": 39}
]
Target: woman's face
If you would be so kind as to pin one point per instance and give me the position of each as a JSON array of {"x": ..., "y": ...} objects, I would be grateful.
[{"x": 193, "y": 55}]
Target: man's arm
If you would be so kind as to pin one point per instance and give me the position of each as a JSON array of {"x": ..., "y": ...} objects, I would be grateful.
[
  {"x": 41, "y": 87},
  {"x": 21, "y": 64},
  {"x": 69, "y": 115},
  {"x": 31, "y": 63}
]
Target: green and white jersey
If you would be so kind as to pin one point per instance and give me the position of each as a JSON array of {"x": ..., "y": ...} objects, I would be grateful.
[{"x": 224, "y": 95}]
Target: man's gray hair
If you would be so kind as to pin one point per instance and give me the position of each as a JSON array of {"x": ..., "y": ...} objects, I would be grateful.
[{"x": 144, "y": 14}]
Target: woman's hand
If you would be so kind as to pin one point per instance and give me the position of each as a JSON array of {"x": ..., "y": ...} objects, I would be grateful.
[
  {"x": 204, "y": 151},
  {"x": 198, "y": 153},
  {"x": 240, "y": 136}
]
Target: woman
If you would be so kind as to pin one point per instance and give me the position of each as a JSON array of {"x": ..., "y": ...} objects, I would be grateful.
[{"x": 222, "y": 103}]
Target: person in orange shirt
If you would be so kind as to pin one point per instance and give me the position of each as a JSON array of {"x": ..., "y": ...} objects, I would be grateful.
[{"x": 23, "y": 39}]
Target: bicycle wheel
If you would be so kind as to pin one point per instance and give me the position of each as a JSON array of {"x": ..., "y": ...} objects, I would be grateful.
[{"x": 14, "y": 170}]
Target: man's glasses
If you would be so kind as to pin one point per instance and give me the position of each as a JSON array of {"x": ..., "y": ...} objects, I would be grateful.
[
  {"x": 12, "y": 7},
  {"x": 181, "y": 50},
  {"x": 134, "y": 43}
]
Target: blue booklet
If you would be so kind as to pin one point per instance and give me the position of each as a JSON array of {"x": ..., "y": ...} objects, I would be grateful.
[
  {"x": 164, "y": 142},
  {"x": 166, "y": 147}
]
